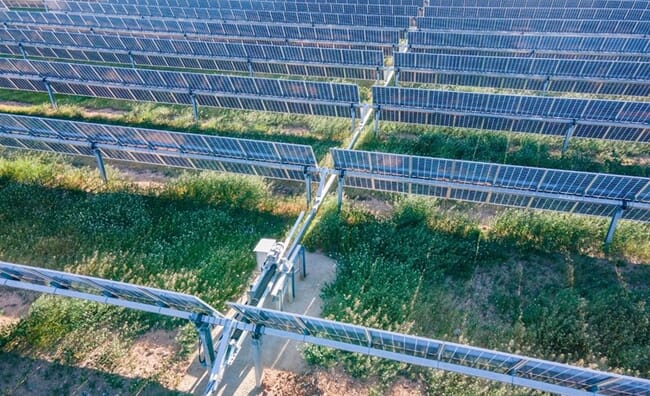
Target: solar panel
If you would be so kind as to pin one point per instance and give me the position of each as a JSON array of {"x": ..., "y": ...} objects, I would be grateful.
[
  {"x": 305, "y": 97},
  {"x": 247, "y": 3},
  {"x": 465, "y": 359},
  {"x": 257, "y": 30},
  {"x": 101, "y": 290},
  {"x": 571, "y": 13},
  {"x": 594, "y": 118},
  {"x": 164, "y": 52},
  {"x": 536, "y": 25},
  {"x": 515, "y": 186},
  {"x": 531, "y": 42},
  {"x": 632, "y": 4},
  {"x": 346, "y": 7},
  {"x": 571, "y": 75},
  {"x": 274, "y": 12},
  {"x": 267, "y": 159}
]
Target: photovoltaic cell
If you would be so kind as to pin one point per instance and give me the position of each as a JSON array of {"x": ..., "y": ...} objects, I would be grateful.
[
  {"x": 268, "y": 159},
  {"x": 526, "y": 187},
  {"x": 103, "y": 288},
  {"x": 504, "y": 367}
]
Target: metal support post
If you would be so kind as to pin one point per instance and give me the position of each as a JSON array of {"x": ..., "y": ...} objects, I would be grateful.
[
  {"x": 100, "y": 162},
  {"x": 205, "y": 336},
  {"x": 293, "y": 284},
  {"x": 195, "y": 107},
  {"x": 339, "y": 191},
  {"x": 250, "y": 68},
  {"x": 308, "y": 186},
  {"x": 378, "y": 74},
  {"x": 567, "y": 136},
  {"x": 612, "y": 225},
  {"x": 257, "y": 356},
  {"x": 547, "y": 82},
  {"x": 22, "y": 50},
  {"x": 396, "y": 81},
  {"x": 377, "y": 111},
  {"x": 304, "y": 261},
  {"x": 50, "y": 93},
  {"x": 353, "y": 114},
  {"x": 132, "y": 60}
]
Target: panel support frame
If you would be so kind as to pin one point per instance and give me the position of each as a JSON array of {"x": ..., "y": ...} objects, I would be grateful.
[
  {"x": 100, "y": 162},
  {"x": 256, "y": 338},
  {"x": 339, "y": 190},
  {"x": 567, "y": 136},
  {"x": 308, "y": 181},
  {"x": 195, "y": 107},
  {"x": 618, "y": 214},
  {"x": 50, "y": 94},
  {"x": 205, "y": 335}
]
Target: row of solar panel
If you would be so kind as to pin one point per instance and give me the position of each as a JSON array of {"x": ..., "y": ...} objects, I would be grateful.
[
  {"x": 203, "y": 28},
  {"x": 232, "y": 8},
  {"x": 497, "y": 184},
  {"x": 533, "y": 66},
  {"x": 514, "y": 105},
  {"x": 479, "y": 24},
  {"x": 252, "y": 15},
  {"x": 624, "y": 14},
  {"x": 530, "y": 42},
  {"x": 439, "y": 354},
  {"x": 62, "y": 39},
  {"x": 534, "y": 54},
  {"x": 530, "y": 83},
  {"x": 193, "y": 151},
  {"x": 237, "y": 3},
  {"x": 627, "y": 4},
  {"x": 104, "y": 288},
  {"x": 406, "y": 348},
  {"x": 195, "y": 82}
]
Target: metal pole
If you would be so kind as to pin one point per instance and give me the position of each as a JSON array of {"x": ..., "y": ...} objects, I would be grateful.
[
  {"x": 250, "y": 68},
  {"x": 132, "y": 60},
  {"x": 546, "y": 83},
  {"x": 100, "y": 163},
  {"x": 257, "y": 356},
  {"x": 397, "y": 77},
  {"x": 195, "y": 107},
  {"x": 377, "y": 111},
  {"x": 293, "y": 285},
  {"x": 567, "y": 136},
  {"x": 339, "y": 191},
  {"x": 50, "y": 93},
  {"x": 304, "y": 262},
  {"x": 308, "y": 186},
  {"x": 353, "y": 113},
  {"x": 612, "y": 225},
  {"x": 22, "y": 50},
  {"x": 206, "y": 338}
]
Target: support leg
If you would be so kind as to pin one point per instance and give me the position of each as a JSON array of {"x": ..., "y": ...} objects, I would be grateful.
[
  {"x": 100, "y": 163},
  {"x": 377, "y": 121},
  {"x": 612, "y": 225},
  {"x": 567, "y": 137},
  {"x": 195, "y": 108},
  {"x": 50, "y": 94},
  {"x": 353, "y": 114},
  {"x": 22, "y": 51},
  {"x": 308, "y": 187},
  {"x": 132, "y": 60},
  {"x": 206, "y": 339},
  {"x": 257, "y": 357},
  {"x": 339, "y": 191},
  {"x": 396, "y": 78},
  {"x": 250, "y": 68}
]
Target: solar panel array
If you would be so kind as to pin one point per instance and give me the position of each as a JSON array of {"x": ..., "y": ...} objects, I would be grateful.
[
  {"x": 544, "y": 74},
  {"x": 247, "y": 3},
  {"x": 591, "y": 118},
  {"x": 571, "y": 13},
  {"x": 369, "y": 37},
  {"x": 200, "y": 55},
  {"x": 632, "y": 4},
  {"x": 528, "y": 43},
  {"x": 194, "y": 151},
  {"x": 102, "y": 288},
  {"x": 536, "y": 25},
  {"x": 509, "y": 368},
  {"x": 516, "y": 186},
  {"x": 285, "y": 96},
  {"x": 274, "y": 13}
]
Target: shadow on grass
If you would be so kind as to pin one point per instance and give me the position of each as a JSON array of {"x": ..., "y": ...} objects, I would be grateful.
[{"x": 27, "y": 376}]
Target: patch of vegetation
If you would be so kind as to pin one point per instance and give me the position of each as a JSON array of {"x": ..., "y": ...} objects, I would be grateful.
[
  {"x": 194, "y": 234},
  {"x": 319, "y": 132},
  {"x": 537, "y": 284},
  {"x": 589, "y": 155}
]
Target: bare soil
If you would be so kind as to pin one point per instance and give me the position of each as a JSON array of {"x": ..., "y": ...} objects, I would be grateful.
[{"x": 14, "y": 304}]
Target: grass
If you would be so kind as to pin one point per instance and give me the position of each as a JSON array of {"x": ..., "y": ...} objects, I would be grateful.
[
  {"x": 532, "y": 283},
  {"x": 589, "y": 155},
  {"x": 194, "y": 234},
  {"x": 319, "y": 132}
]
